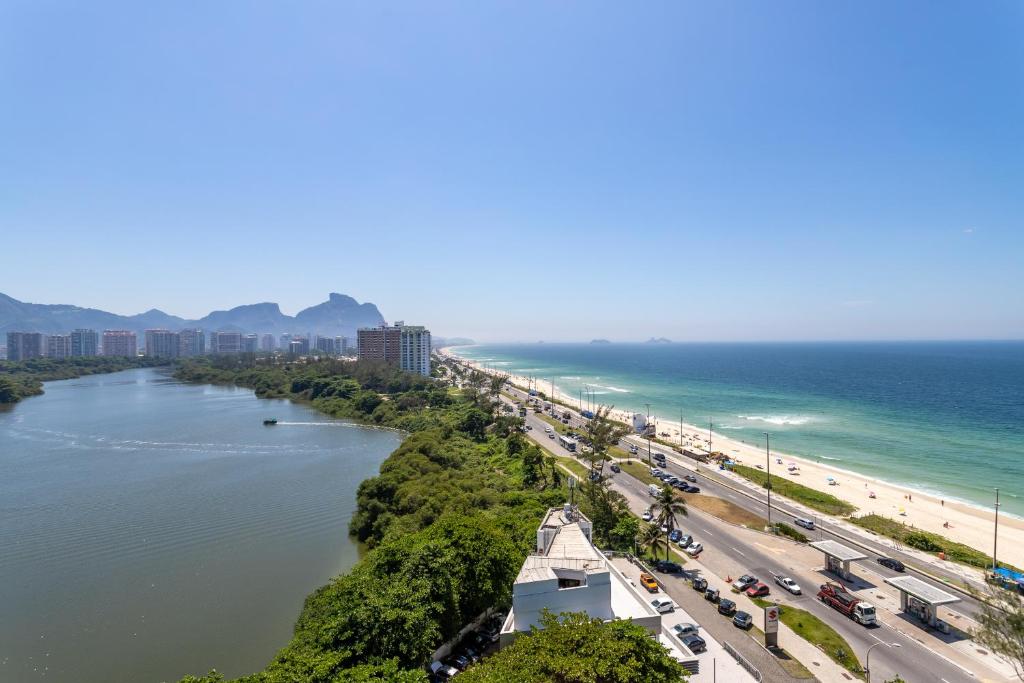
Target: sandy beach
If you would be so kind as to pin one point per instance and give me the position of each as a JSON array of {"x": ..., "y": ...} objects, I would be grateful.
[{"x": 968, "y": 524}]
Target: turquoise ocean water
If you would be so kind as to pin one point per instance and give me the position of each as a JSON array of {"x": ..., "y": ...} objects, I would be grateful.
[{"x": 942, "y": 417}]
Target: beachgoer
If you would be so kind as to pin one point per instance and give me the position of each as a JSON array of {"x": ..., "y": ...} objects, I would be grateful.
[{"x": 943, "y": 503}]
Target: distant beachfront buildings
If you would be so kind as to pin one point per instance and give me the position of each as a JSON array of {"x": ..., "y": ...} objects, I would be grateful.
[
  {"x": 120, "y": 343},
  {"x": 26, "y": 345},
  {"x": 407, "y": 346}
]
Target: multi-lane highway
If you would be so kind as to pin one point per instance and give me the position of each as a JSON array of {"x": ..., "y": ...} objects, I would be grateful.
[{"x": 732, "y": 550}]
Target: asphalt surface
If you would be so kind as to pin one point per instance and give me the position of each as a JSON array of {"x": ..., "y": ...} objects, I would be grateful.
[{"x": 911, "y": 660}]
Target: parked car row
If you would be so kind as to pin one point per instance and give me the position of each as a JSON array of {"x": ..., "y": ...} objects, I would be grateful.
[
  {"x": 469, "y": 651},
  {"x": 680, "y": 483}
]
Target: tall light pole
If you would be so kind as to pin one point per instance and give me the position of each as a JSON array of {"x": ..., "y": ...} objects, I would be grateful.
[
  {"x": 867, "y": 657},
  {"x": 647, "y": 433},
  {"x": 995, "y": 535},
  {"x": 680, "y": 429},
  {"x": 768, "y": 461}
]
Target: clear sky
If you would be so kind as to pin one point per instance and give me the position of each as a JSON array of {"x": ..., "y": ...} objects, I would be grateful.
[{"x": 520, "y": 170}]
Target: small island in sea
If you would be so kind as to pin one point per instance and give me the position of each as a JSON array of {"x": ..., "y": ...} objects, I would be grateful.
[
  {"x": 658, "y": 340},
  {"x": 599, "y": 341}
]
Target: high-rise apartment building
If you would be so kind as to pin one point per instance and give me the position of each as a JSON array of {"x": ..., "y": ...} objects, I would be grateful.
[
  {"x": 415, "y": 349},
  {"x": 267, "y": 343},
  {"x": 191, "y": 342},
  {"x": 163, "y": 344},
  {"x": 85, "y": 343},
  {"x": 326, "y": 345},
  {"x": 120, "y": 343},
  {"x": 407, "y": 346},
  {"x": 341, "y": 345},
  {"x": 226, "y": 342},
  {"x": 24, "y": 345},
  {"x": 286, "y": 339},
  {"x": 58, "y": 346},
  {"x": 250, "y": 343},
  {"x": 298, "y": 346},
  {"x": 379, "y": 344}
]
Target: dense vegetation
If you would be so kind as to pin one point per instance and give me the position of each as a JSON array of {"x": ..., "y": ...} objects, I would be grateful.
[
  {"x": 20, "y": 379},
  {"x": 812, "y": 498},
  {"x": 573, "y": 648},
  {"x": 448, "y": 521}
]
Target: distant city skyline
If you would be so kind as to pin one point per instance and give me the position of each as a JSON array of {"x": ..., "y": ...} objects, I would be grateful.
[{"x": 740, "y": 172}]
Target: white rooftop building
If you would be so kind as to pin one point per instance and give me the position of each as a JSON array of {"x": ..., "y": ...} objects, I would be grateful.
[{"x": 568, "y": 574}]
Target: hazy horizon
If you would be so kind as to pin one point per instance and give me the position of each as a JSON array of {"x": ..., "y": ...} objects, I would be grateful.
[{"x": 524, "y": 171}]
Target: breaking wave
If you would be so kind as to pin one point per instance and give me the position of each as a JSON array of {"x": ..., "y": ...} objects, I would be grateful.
[{"x": 780, "y": 420}]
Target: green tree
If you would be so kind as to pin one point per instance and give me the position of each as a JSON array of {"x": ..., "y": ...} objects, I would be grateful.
[
  {"x": 603, "y": 433},
  {"x": 1001, "y": 626},
  {"x": 623, "y": 536},
  {"x": 8, "y": 391},
  {"x": 573, "y": 648},
  {"x": 666, "y": 508},
  {"x": 651, "y": 538}
]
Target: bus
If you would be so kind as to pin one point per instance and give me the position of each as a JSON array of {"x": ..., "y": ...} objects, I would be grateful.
[{"x": 567, "y": 443}]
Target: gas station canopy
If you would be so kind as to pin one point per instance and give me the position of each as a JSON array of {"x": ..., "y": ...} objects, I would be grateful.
[
  {"x": 838, "y": 550},
  {"x": 925, "y": 592}
]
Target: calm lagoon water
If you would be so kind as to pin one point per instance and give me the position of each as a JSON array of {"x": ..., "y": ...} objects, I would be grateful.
[
  {"x": 945, "y": 417},
  {"x": 151, "y": 529}
]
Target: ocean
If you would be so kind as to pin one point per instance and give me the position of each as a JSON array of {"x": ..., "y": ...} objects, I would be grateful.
[{"x": 942, "y": 417}]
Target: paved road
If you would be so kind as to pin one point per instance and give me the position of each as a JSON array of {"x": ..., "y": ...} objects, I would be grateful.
[{"x": 731, "y": 551}]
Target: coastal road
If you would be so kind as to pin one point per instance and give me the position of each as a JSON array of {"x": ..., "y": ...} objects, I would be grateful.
[
  {"x": 755, "y": 501},
  {"x": 733, "y": 551}
]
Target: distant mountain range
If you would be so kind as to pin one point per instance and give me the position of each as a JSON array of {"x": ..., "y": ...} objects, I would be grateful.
[{"x": 339, "y": 315}]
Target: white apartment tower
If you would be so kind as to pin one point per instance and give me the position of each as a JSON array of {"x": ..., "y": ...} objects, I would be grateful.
[{"x": 414, "y": 354}]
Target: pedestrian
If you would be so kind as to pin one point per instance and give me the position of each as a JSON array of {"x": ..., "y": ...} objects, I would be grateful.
[{"x": 943, "y": 503}]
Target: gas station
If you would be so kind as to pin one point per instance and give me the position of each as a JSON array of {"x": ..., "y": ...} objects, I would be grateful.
[
  {"x": 922, "y": 599},
  {"x": 838, "y": 557}
]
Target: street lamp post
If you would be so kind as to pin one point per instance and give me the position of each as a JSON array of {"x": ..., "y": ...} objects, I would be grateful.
[
  {"x": 768, "y": 462},
  {"x": 995, "y": 535},
  {"x": 647, "y": 433},
  {"x": 867, "y": 657}
]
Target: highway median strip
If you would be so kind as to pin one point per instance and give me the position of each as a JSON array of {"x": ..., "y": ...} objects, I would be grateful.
[{"x": 817, "y": 633}]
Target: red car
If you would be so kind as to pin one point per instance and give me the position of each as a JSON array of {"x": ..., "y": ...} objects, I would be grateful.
[{"x": 757, "y": 590}]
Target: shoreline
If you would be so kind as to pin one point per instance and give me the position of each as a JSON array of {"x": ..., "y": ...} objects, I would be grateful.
[{"x": 969, "y": 522}]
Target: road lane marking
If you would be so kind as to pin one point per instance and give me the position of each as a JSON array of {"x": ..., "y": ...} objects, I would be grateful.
[
  {"x": 739, "y": 551},
  {"x": 708, "y": 532}
]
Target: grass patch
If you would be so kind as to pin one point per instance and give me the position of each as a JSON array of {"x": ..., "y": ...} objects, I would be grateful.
[
  {"x": 818, "y": 633},
  {"x": 784, "y": 529},
  {"x": 578, "y": 469},
  {"x": 926, "y": 540},
  {"x": 812, "y": 498},
  {"x": 640, "y": 471}
]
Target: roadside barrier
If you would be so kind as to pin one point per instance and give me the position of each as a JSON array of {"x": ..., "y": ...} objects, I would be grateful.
[{"x": 742, "y": 661}]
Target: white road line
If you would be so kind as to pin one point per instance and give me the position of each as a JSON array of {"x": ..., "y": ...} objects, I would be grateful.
[
  {"x": 739, "y": 551},
  {"x": 708, "y": 532},
  {"x": 877, "y": 638}
]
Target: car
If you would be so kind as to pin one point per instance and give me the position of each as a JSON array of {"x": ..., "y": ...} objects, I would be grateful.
[
  {"x": 547, "y": 429},
  {"x": 648, "y": 582},
  {"x": 892, "y": 563},
  {"x": 711, "y": 595},
  {"x": 700, "y": 583},
  {"x": 693, "y": 489},
  {"x": 690, "y": 477},
  {"x": 667, "y": 567},
  {"x": 615, "y": 468},
  {"x": 685, "y": 541},
  {"x": 633, "y": 450},
  {"x": 647, "y": 516},
  {"x": 744, "y": 582},
  {"x": 457, "y": 661},
  {"x": 675, "y": 535},
  {"x": 551, "y": 436},
  {"x": 685, "y": 628},
  {"x": 655, "y": 471},
  {"x": 789, "y": 584},
  {"x": 680, "y": 486},
  {"x": 492, "y": 634},
  {"x": 694, "y": 550},
  {"x": 694, "y": 643},
  {"x": 664, "y": 528},
  {"x": 758, "y": 590},
  {"x": 529, "y": 428},
  {"x": 443, "y": 671},
  {"x": 469, "y": 653},
  {"x": 663, "y": 605},
  {"x": 742, "y": 620},
  {"x": 726, "y": 607},
  {"x": 804, "y": 522}
]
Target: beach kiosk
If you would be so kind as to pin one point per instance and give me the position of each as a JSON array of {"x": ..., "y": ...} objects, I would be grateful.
[
  {"x": 922, "y": 599},
  {"x": 838, "y": 557}
]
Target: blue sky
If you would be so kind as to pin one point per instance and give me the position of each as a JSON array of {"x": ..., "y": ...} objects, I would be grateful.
[{"x": 523, "y": 171}]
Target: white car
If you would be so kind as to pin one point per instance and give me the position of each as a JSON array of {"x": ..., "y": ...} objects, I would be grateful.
[
  {"x": 685, "y": 629},
  {"x": 789, "y": 584},
  {"x": 695, "y": 550},
  {"x": 647, "y": 516},
  {"x": 662, "y": 605},
  {"x": 547, "y": 429},
  {"x": 744, "y": 582}
]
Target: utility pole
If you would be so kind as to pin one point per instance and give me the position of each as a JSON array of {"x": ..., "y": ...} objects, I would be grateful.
[
  {"x": 710, "y": 426},
  {"x": 680, "y": 429},
  {"x": 995, "y": 535},
  {"x": 768, "y": 460},
  {"x": 647, "y": 433}
]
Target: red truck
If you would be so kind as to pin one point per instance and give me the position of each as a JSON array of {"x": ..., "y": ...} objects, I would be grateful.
[{"x": 838, "y": 598}]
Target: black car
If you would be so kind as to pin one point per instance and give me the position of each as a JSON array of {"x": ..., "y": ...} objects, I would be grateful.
[
  {"x": 743, "y": 620},
  {"x": 690, "y": 477},
  {"x": 891, "y": 563},
  {"x": 695, "y": 643},
  {"x": 457, "y": 661},
  {"x": 667, "y": 567},
  {"x": 726, "y": 607},
  {"x": 615, "y": 468},
  {"x": 693, "y": 489},
  {"x": 469, "y": 653},
  {"x": 700, "y": 584}
]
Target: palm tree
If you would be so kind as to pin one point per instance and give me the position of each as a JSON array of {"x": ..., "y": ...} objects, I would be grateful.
[
  {"x": 665, "y": 509},
  {"x": 652, "y": 539},
  {"x": 603, "y": 434}
]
